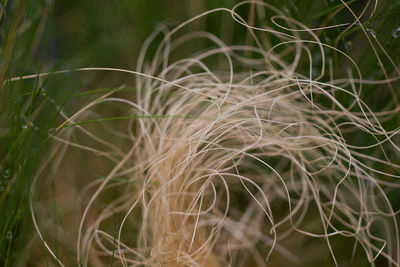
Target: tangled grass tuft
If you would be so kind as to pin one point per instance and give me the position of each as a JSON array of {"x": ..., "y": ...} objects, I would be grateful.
[{"x": 232, "y": 156}]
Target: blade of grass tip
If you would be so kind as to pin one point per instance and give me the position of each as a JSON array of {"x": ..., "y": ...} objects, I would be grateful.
[
  {"x": 249, "y": 39},
  {"x": 3, "y": 8},
  {"x": 35, "y": 92},
  {"x": 133, "y": 117},
  {"x": 101, "y": 90},
  {"x": 11, "y": 38}
]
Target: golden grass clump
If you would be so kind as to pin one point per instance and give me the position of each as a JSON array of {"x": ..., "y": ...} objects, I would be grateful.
[{"x": 232, "y": 156}]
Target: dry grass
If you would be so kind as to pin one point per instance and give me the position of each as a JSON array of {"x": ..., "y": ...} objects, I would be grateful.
[{"x": 223, "y": 159}]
